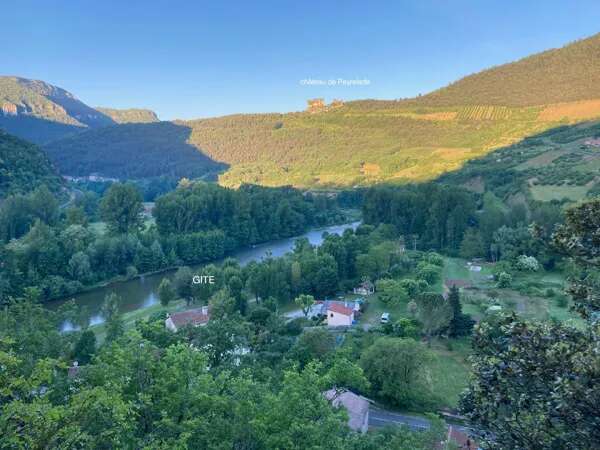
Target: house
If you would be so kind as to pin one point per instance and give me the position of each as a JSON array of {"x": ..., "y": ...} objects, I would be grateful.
[
  {"x": 365, "y": 288},
  {"x": 356, "y": 406},
  {"x": 592, "y": 142},
  {"x": 194, "y": 317},
  {"x": 339, "y": 315},
  {"x": 73, "y": 371}
]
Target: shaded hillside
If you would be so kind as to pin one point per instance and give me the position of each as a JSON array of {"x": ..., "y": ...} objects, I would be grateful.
[
  {"x": 367, "y": 142},
  {"x": 23, "y": 167},
  {"x": 40, "y": 112},
  {"x": 126, "y": 151},
  {"x": 132, "y": 115},
  {"x": 560, "y": 164}
]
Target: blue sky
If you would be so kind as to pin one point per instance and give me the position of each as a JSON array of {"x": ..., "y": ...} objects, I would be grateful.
[{"x": 189, "y": 59}]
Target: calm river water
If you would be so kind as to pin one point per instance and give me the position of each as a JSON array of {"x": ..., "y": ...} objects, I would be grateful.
[{"x": 142, "y": 292}]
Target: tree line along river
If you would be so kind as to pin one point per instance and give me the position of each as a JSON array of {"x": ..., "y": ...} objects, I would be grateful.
[{"x": 142, "y": 292}]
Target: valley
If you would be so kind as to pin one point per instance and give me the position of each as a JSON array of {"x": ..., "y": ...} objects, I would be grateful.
[{"x": 410, "y": 274}]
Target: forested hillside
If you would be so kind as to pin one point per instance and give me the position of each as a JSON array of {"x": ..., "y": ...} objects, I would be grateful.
[
  {"x": 561, "y": 165},
  {"x": 24, "y": 167},
  {"x": 568, "y": 74},
  {"x": 370, "y": 141},
  {"x": 126, "y": 151}
]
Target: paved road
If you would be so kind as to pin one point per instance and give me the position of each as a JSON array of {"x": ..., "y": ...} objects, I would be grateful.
[{"x": 380, "y": 417}]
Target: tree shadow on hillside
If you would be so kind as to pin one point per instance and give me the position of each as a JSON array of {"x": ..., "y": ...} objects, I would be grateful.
[
  {"x": 133, "y": 151},
  {"x": 36, "y": 130}
]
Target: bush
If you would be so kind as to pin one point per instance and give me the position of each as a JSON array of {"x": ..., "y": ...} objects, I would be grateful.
[
  {"x": 504, "y": 280},
  {"x": 527, "y": 263}
]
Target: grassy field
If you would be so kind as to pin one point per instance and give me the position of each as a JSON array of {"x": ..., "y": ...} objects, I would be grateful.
[{"x": 448, "y": 372}]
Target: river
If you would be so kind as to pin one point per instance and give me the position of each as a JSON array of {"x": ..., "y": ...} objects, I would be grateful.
[{"x": 142, "y": 292}]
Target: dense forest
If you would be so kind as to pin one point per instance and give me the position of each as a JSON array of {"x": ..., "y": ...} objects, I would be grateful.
[
  {"x": 24, "y": 167},
  {"x": 56, "y": 251},
  {"x": 129, "y": 153}
]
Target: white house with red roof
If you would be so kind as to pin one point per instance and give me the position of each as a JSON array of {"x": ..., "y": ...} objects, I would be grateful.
[
  {"x": 194, "y": 317},
  {"x": 339, "y": 315}
]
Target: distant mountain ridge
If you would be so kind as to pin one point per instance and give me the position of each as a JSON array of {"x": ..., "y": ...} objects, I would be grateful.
[
  {"x": 359, "y": 142},
  {"x": 40, "y": 112},
  {"x": 131, "y": 115}
]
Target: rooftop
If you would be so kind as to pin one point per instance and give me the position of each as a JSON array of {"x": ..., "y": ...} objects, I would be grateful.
[{"x": 193, "y": 317}]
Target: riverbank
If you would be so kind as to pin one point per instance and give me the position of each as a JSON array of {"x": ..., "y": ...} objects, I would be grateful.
[
  {"x": 141, "y": 291},
  {"x": 351, "y": 216}
]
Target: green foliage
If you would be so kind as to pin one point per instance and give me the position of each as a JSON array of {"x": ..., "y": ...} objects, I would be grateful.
[
  {"x": 391, "y": 292},
  {"x": 395, "y": 369},
  {"x": 460, "y": 323},
  {"x": 433, "y": 312},
  {"x": 534, "y": 382},
  {"x": 85, "y": 347},
  {"x": 121, "y": 208},
  {"x": 305, "y": 302},
  {"x": 166, "y": 293},
  {"x": 504, "y": 280},
  {"x": 112, "y": 316}
]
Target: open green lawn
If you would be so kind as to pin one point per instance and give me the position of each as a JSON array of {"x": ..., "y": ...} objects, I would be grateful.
[
  {"x": 448, "y": 372},
  {"x": 376, "y": 307}
]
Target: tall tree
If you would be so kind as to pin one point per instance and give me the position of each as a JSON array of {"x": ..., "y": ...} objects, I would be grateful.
[
  {"x": 460, "y": 324},
  {"x": 434, "y": 312},
  {"x": 121, "y": 208},
  {"x": 535, "y": 384}
]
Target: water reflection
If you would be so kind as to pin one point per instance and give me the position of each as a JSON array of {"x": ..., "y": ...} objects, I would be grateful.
[{"x": 143, "y": 292}]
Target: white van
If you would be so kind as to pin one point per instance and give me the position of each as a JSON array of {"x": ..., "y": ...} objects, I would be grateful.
[{"x": 385, "y": 317}]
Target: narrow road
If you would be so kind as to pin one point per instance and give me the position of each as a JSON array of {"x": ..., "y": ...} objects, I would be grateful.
[{"x": 380, "y": 417}]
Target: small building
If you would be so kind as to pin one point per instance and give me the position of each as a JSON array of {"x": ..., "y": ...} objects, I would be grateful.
[
  {"x": 339, "y": 315},
  {"x": 73, "y": 370},
  {"x": 365, "y": 288},
  {"x": 356, "y": 406},
  {"x": 194, "y": 317}
]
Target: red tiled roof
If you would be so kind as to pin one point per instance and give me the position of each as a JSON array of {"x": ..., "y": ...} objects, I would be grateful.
[
  {"x": 193, "y": 317},
  {"x": 340, "y": 309}
]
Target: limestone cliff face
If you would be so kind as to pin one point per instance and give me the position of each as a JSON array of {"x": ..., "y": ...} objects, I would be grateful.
[
  {"x": 21, "y": 96},
  {"x": 9, "y": 109}
]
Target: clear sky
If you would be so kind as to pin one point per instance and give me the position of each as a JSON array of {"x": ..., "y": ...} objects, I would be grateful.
[{"x": 189, "y": 59}]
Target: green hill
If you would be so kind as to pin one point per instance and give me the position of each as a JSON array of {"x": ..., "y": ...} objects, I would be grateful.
[
  {"x": 372, "y": 141},
  {"x": 561, "y": 164},
  {"x": 132, "y": 115},
  {"x": 23, "y": 167},
  {"x": 125, "y": 151}
]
